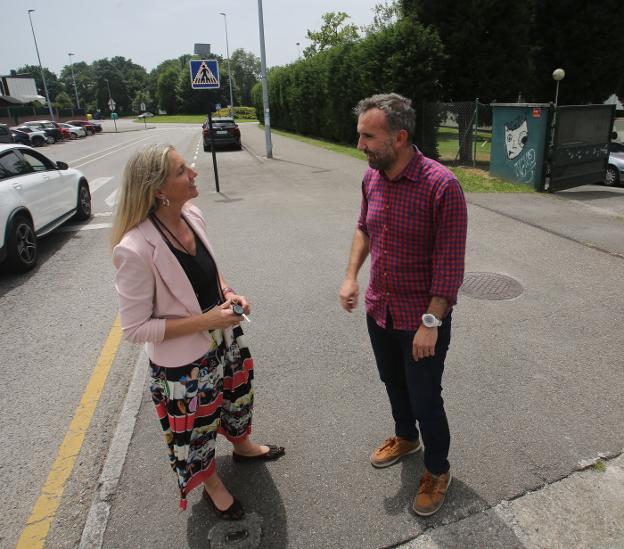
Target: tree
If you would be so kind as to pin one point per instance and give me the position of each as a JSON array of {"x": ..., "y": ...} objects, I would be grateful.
[
  {"x": 63, "y": 101},
  {"x": 85, "y": 83},
  {"x": 385, "y": 15},
  {"x": 334, "y": 31},
  {"x": 245, "y": 73},
  {"x": 166, "y": 90},
  {"x": 582, "y": 38}
]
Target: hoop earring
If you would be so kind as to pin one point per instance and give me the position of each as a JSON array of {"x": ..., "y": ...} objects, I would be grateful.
[{"x": 165, "y": 202}]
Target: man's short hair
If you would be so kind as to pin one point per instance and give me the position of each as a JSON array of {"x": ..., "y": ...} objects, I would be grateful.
[{"x": 398, "y": 109}]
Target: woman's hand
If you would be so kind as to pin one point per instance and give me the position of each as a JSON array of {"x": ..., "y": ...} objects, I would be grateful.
[
  {"x": 221, "y": 316},
  {"x": 241, "y": 300}
]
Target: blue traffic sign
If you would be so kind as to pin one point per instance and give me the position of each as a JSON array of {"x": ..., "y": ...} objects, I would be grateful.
[{"x": 205, "y": 74}]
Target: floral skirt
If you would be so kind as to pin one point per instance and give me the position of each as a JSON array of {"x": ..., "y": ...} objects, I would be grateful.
[{"x": 194, "y": 402}]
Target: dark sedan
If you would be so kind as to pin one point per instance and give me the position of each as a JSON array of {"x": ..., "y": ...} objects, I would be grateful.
[{"x": 225, "y": 132}]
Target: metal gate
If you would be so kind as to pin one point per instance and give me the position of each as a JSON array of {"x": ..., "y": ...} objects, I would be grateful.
[{"x": 579, "y": 146}]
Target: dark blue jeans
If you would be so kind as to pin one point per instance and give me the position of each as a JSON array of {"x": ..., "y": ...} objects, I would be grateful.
[{"x": 415, "y": 388}]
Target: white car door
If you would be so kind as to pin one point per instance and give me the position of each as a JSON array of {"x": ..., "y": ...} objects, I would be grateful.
[
  {"x": 60, "y": 193},
  {"x": 29, "y": 185}
]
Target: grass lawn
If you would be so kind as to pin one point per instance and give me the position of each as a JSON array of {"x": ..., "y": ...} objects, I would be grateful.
[
  {"x": 448, "y": 144},
  {"x": 183, "y": 119},
  {"x": 472, "y": 180}
]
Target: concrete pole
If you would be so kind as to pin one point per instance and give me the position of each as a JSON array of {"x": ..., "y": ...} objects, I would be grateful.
[
  {"x": 265, "y": 86},
  {"x": 45, "y": 86}
]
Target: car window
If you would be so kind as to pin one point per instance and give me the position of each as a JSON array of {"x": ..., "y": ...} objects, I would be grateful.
[
  {"x": 4, "y": 130},
  {"x": 37, "y": 162},
  {"x": 11, "y": 165}
]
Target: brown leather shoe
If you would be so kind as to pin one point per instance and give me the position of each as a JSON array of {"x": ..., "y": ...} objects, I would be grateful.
[
  {"x": 392, "y": 450},
  {"x": 431, "y": 493}
]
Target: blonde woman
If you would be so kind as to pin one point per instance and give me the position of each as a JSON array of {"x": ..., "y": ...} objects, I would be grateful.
[{"x": 174, "y": 299}]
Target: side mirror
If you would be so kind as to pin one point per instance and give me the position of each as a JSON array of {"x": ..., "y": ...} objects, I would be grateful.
[{"x": 62, "y": 165}]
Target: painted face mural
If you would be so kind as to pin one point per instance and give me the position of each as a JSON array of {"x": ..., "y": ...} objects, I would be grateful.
[{"x": 516, "y": 134}]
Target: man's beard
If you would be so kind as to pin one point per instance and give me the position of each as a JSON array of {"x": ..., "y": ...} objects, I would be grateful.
[{"x": 382, "y": 160}]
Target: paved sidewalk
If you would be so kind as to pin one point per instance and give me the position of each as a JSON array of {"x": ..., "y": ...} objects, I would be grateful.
[{"x": 533, "y": 385}]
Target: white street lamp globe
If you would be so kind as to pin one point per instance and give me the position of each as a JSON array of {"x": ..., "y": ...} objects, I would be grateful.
[{"x": 558, "y": 74}]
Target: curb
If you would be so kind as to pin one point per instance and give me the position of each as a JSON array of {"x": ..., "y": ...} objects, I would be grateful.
[{"x": 97, "y": 519}]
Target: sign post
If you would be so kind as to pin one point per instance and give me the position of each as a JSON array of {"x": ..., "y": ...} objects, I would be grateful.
[
  {"x": 111, "y": 106},
  {"x": 205, "y": 76}
]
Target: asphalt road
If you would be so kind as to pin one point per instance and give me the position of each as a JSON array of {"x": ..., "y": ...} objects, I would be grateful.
[{"x": 532, "y": 384}]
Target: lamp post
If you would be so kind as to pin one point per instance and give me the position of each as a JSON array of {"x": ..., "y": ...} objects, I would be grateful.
[
  {"x": 265, "y": 86},
  {"x": 45, "y": 86},
  {"x": 558, "y": 75},
  {"x": 227, "y": 49},
  {"x": 299, "y": 50},
  {"x": 71, "y": 64}
]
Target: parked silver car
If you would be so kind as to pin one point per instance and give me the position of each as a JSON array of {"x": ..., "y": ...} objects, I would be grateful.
[{"x": 615, "y": 167}]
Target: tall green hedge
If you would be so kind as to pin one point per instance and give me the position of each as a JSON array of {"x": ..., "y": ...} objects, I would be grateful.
[{"x": 315, "y": 96}]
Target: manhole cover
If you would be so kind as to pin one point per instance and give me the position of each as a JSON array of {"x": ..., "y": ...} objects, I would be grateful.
[{"x": 491, "y": 286}]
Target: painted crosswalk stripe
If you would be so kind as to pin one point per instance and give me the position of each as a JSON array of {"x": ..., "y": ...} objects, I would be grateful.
[
  {"x": 98, "y": 183},
  {"x": 111, "y": 199}
]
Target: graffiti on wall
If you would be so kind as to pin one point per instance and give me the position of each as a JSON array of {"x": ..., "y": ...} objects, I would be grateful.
[{"x": 516, "y": 137}]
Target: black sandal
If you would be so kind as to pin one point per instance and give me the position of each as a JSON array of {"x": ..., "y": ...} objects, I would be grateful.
[
  {"x": 274, "y": 452},
  {"x": 233, "y": 512}
]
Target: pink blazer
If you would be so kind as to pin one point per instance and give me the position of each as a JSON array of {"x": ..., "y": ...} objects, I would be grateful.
[{"x": 153, "y": 287}]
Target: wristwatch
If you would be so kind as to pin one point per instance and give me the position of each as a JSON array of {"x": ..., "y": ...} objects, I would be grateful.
[{"x": 430, "y": 321}]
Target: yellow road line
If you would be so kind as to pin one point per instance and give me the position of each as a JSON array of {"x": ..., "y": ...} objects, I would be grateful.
[{"x": 42, "y": 515}]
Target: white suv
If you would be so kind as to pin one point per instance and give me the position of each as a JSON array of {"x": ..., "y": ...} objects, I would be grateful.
[{"x": 36, "y": 196}]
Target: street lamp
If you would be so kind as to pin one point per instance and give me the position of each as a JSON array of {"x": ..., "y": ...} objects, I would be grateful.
[
  {"x": 265, "y": 86},
  {"x": 227, "y": 49},
  {"x": 299, "y": 50},
  {"x": 45, "y": 86},
  {"x": 71, "y": 64},
  {"x": 109, "y": 92},
  {"x": 558, "y": 75}
]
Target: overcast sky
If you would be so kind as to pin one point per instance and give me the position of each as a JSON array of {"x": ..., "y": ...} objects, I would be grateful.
[{"x": 150, "y": 31}]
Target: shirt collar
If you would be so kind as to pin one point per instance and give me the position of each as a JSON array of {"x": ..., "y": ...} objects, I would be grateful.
[{"x": 411, "y": 170}]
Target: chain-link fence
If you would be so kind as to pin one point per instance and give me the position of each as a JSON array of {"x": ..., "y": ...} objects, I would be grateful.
[{"x": 463, "y": 135}]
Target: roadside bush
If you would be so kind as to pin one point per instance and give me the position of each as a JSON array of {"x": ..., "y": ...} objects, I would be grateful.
[
  {"x": 242, "y": 113},
  {"x": 315, "y": 96}
]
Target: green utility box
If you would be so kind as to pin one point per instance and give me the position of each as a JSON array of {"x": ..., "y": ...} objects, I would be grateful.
[
  {"x": 114, "y": 116},
  {"x": 519, "y": 142}
]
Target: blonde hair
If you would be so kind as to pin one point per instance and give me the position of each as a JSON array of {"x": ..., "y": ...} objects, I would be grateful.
[{"x": 145, "y": 172}]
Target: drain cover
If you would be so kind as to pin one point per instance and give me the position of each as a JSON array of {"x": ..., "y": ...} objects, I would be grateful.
[
  {"x": 240, "y": 534},
  {"x": 491, "y": 286}
]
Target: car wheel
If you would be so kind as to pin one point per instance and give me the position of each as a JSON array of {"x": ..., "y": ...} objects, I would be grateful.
[
  {"x": 83, "y": 207},
  {"x": 52, "y": 139},
  {"x": 72, "y": 136},
  {"x": 22, "y": 245},
  {"x": 38, "y": 141},
  {"x": 612, "y": 177}
]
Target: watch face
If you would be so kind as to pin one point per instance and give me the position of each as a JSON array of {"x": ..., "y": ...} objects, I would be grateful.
[{"x": 429, "y": 320}]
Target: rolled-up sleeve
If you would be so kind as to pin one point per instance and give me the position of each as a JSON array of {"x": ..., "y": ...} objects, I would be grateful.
[
  {"x": 134, "y": 282},
  {"x": 451, "y": 223}
]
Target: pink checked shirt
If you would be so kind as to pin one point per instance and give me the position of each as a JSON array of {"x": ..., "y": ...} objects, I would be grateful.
[{"x": 417, "y": 225}]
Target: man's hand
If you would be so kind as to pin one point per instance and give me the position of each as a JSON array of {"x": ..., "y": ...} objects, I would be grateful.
[
  {"x": 424, "y": 342},
  {"x": 349, "y": 292}
]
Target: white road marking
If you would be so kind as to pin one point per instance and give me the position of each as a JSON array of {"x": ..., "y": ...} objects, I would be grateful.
[
  {"x": 112, "y": 152},
  {"x": 111, "y": 199},
  {"x": 98, "y": 183}
]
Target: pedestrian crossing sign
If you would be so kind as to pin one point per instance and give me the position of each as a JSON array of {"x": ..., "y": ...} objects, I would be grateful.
[{"x": 204, "y": 74}]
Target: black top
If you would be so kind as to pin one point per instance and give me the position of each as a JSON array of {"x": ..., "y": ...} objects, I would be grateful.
[{"x": 200, "y": 268}]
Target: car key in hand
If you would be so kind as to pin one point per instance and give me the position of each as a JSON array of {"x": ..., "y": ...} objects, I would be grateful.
[{"x": 237, "y": 308}]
